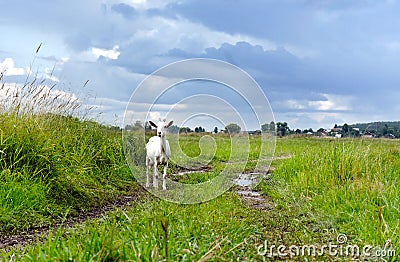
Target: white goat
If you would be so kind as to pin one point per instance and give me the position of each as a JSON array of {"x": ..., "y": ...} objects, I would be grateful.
[{"x": 158, "y": 152}]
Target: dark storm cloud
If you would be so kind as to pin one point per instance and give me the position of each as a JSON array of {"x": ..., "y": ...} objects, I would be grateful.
[{"x": 308, "y": 56}]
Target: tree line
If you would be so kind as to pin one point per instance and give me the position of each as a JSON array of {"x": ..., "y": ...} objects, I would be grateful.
[
  {"x": 375, "y": 129},
  {"x": 138, "y": 125}
]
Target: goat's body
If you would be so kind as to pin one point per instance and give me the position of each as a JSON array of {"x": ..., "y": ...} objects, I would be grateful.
[{"x": 158, "y": 152}]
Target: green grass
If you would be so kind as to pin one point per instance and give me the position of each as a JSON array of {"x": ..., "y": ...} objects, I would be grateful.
[
  {"x": 153, "y": 230},
  {"x": 328, "y": 187},
  {"x": 213, "y": 154},
  {"x": 51, "y": 162},
  {"x": 221, "y": 228},
  {"x": 353, "y": 183}
]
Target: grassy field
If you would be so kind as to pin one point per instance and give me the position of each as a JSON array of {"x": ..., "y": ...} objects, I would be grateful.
[
  {"x": 55, "y": 166},
  {"x": 354, "y": 182}
]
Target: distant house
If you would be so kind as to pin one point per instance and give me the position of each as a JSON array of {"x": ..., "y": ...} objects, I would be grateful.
[
  {"x": 324, "y": 133},
  {"x": 367, "y": 135},
  {"x": 338, "y": 136},
  {"x": 390, "y": 136},
  {"x": 255, "y": 132},
  {"x": 336, "y": 129}
]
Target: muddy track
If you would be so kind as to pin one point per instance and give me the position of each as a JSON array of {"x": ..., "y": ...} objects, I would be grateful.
[
  {"x": 33, "y": 234},
  {"x": 251, "y": 197}
]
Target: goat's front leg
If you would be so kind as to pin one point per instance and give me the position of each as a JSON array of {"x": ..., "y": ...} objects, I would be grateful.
[
  {"x": 155, "y": 182},
  {"x": 164, "y": 185}
]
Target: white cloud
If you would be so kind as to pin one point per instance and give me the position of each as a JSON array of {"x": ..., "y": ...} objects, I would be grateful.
[
  {"x": 332, "y": 102},
  {"x": 110, "y": 54},
  {"x": 147, "y": 40},
  {"x": 294, "y": 104},
  {"x": 190, "y": 33},
  {"x": 8, "y": 66},
  {"x": 49, "y": 74}
]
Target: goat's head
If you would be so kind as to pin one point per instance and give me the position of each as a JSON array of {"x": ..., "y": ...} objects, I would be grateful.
[{"x": 161, "y": 126}]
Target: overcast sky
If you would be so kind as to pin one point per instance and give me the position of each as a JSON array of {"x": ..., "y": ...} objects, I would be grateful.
[{"x": 318, "y": 62}]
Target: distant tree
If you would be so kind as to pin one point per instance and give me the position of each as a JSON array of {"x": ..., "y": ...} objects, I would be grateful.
[
  {"x": 310, "y": 130},
  {"x": 272, "y": 126},
  {"x": 345, "y": 128},
  {"x": 282, "y": 128},
  {"x": 298, "y": 131},
  {"x": 385, "y": 130},
  {"x": 185, "y": 130},
  {"x": 215, "y": 130},
  {"x": 174, "y": 129},
  {"x": 147, "y": 126},
  {"x": 268, "y": 127},
  {"x": 233, "y": 128},
  {"x": 354, "y": 132},
  {"x": 265, "y": 127},
  {"x": 137, "y": 126},
  {"x": 199, "y": 129},
  {"x": 128, "y": 127}
]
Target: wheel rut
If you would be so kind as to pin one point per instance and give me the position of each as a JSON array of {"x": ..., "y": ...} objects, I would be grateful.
[
  {"x": 252, "y": 198},
  {"x": 32, "y": 235}
]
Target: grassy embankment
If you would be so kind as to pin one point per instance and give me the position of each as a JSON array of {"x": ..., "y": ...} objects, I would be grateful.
[{"x": 52, "y": 165}]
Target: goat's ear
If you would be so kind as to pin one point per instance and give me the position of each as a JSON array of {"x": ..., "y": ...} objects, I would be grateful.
[
  {"x": 151, "y": 123},
  {"x": 169, "y": 124}
]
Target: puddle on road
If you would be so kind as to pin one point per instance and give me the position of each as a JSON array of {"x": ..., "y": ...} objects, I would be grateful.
[
  {"x": 248, "y": 179},
  {"x": 245, "y": 183},
  {"x": 247, "y": 193}
]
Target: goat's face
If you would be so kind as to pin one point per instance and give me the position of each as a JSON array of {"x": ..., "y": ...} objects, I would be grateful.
[{"x": 161, "y": 127}]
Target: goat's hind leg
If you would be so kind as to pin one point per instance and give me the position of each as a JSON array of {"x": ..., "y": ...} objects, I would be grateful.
[
  {"x": 164, "y": 185},
  {"x": 155, "y": 175}
]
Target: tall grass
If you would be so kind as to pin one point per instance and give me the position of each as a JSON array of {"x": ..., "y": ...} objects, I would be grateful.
[
  {"x": 353, "y": 182},
  {"x": 52, "y": 159}
]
